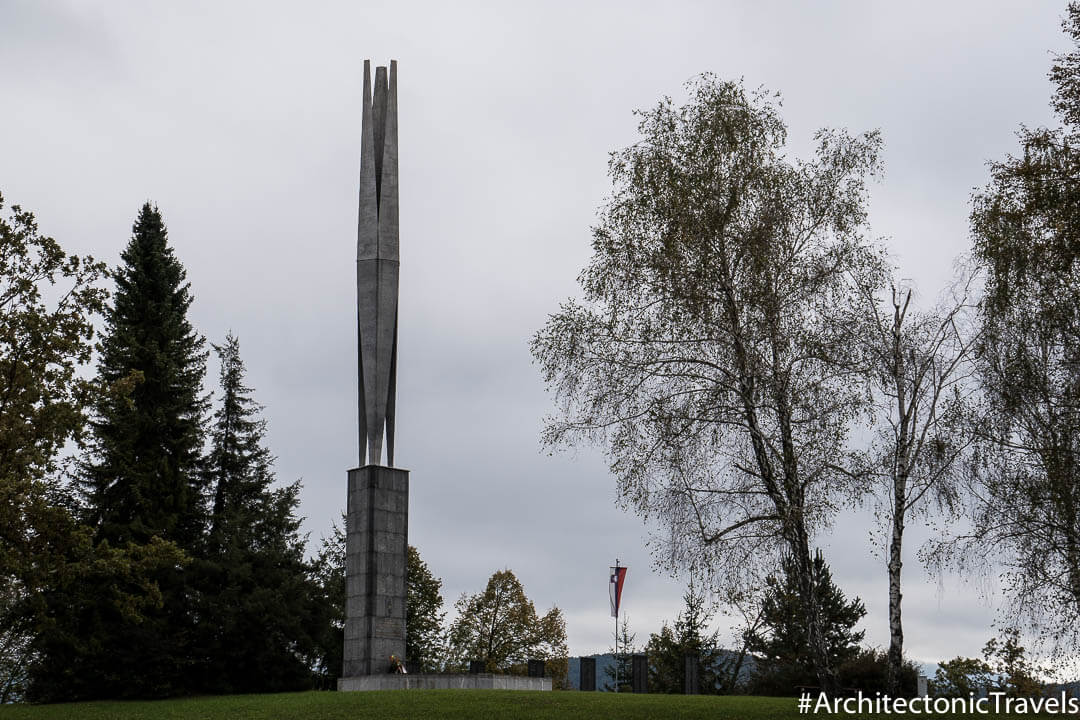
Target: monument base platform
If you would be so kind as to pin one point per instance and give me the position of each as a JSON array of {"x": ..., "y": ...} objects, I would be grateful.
[
  {"x": 376, "y": 564},
  {"x": 479, "y": 681}
]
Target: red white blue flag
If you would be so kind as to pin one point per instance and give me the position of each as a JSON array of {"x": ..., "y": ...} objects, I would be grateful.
[{"x": 615, "y": 583}]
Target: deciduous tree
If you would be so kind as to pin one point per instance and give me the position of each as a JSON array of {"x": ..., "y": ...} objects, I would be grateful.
[
  {"x": 425, "y": 634},
  {"x": 328, "y": 573},
  {"x": 918, "y": 370},
  {"x": 713, "y": 355},
  {"x": 500, "y": 626},
  {"x": 1024, "y": 515},
  {"x": 48, "y": 303}
]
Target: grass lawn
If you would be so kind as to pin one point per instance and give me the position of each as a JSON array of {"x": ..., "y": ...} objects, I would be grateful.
[{"x": 422, "y": 704}]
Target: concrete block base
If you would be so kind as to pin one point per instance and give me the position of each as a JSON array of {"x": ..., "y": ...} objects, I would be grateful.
[
  {"x": 479, "y": 681},
  {"x": 375, "y": 559}
]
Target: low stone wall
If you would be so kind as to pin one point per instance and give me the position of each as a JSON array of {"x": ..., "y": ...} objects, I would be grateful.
[{"x": 479, "y": 681}]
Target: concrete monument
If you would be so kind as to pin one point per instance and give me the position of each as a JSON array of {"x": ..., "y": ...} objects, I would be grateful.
[{"x": 378, "y": 496}]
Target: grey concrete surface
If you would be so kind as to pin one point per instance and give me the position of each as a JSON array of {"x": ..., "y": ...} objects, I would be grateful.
[
  {"x": 481, "y": 681},
  {"x": 587, "y": 674},
  {"x": 376, "y": 542},
  {"x": 377, "y": 265}
]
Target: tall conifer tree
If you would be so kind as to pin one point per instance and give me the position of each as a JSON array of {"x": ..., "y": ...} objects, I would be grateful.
[
  {"x": 258, "y": 604},
  {"x": 141, "y": 485},
  {"x": 239, "y": 467},
  {"x": 144, "y": 479}
]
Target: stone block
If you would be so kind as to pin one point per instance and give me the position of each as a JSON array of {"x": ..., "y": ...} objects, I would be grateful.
[
  {"x": 358, "y": 607},
  {"x": 388, "y": 627},
  {"x": 587, "y": 674},
  {"x": 391, "y": 500},
  {"x": 356, "y": 562},
  {"x": 388, "y": 542},
  {"x": 478, "y": 681},
  {"x": 354, "y": 628},
  {"x": 375, "y": 582},
  {"x": 690, "y": 674},
  {"x": 640, "y": 673},
  {"x": 386, "y": 521},
  {"x": 389, "y": 585},
  {"x": 355, "y": 585}
]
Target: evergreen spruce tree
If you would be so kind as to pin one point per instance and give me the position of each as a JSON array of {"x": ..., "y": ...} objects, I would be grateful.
[
  {"x": 782, "y": 641},
  {"x": 623, "y": 666},
  {"x": 667, "y": 650},
  {"x": 141, "y": 490},
  {"x": 239, "y": 466},
  {"x": 328, "y": 574},
  {"x": 144, "y": 479},
  {"x": 257, "y": 603}
]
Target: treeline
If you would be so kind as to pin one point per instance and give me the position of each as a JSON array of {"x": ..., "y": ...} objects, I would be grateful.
[
  {"x": 768, "y": 655},
  {"x": 147, "y": 549},
  {"x": 751, "y": 361}
]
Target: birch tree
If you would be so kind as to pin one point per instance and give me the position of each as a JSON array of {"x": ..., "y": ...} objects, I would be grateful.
[
  {"x": 918, "y": 365},
  {"x": 713, "y": 354},
  {"x": 1023, "y": 516}
]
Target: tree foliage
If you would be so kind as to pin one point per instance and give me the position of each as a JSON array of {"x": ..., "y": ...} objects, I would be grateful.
[
  {"x": 99, "y": 627},
  {"x": 1016, "y": 675},
  {"x": 255, "y": 602},
  {"x": 239, "y": 467},
  {"x": 713, "y": 355},
  {"x": 142, "y": 495},
  {"x": 1004, "y": 667},
  {"x": 871, "y": 670},
  {"x": 782, "y": 642},
  {"x": 328, "y": 574},
  {"x": 621, "y": 672},
  {"x": 745, "y": 605},
  {"x": 689, "y": 635},
  {"x": 144, "y": 478},
  {"x": 1024, "y": 513},
  {"x": 48, "y": 301},
  {"x": 918, "y": 367},
  {"x": 425, "y": 633},
  {"x": 500, "y": 626},
  {"x": 961, "y": 677}
]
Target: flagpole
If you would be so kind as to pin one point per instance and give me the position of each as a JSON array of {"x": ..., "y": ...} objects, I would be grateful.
[{"x": 616, "y": 625}]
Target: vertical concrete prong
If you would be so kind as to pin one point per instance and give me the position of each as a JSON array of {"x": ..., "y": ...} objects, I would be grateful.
[{"x": 377, "y": 265}]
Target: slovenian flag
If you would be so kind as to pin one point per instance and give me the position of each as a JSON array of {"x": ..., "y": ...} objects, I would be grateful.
[{"x": 615, "y": 583}]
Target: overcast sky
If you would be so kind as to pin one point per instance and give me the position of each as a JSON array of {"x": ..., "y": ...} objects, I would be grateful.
[{"x": 242, "y": 122}]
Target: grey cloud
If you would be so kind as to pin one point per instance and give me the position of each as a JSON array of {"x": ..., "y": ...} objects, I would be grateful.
[{"x": 242, "y": 121}]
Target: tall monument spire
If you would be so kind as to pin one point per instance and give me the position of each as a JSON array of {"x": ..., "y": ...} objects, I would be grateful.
[
  {"x": 377, "y": 264},
  {"x": 377, "y": 510}
]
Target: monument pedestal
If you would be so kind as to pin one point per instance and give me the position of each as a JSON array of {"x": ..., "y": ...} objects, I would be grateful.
[
  {"x": 376, "y": 546},
  {"x": 480, "y": 681}
]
